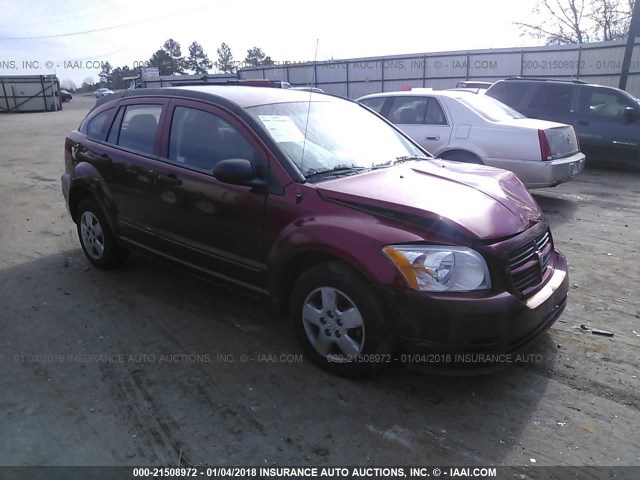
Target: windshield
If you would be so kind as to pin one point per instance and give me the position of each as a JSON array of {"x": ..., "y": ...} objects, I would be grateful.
[
  {"x": 489, "y": 108},
  {"x": 340, "y": 135}
]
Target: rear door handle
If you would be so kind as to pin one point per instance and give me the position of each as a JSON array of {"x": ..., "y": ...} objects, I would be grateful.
[
  {"x": 169, "y": 179},
  {"x": 432, "y": 137}
]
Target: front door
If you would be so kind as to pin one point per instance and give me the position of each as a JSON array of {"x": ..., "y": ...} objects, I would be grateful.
[{"x": 605, "y": 136}]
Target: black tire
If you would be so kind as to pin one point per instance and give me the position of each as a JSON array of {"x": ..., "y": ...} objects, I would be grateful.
[
  {"x": 460, "y": 156},
  {"x": 112, "y": 256},
  {"x": 376, "y": 338}
]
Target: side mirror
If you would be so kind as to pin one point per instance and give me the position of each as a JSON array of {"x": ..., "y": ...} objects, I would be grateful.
[
  {"x": 237, "y": 171},
  {"x": 629, "y": 114}
]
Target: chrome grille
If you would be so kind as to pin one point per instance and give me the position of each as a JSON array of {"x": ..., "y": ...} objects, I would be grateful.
[{"x": 529, "y": 263}]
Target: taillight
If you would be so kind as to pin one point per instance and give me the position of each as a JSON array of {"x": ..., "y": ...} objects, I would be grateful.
[{"x": 545, "y": 149}]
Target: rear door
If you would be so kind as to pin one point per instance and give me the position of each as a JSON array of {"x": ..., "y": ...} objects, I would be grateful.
[
  {"x": 605, "y": 136},
  {"x": 129, "y": 157},
  {"x": 554, "y": 102},
  {"x": 423, "y": 119}
]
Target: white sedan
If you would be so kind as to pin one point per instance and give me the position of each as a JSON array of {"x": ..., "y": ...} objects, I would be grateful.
[
  {"x": 103, "y": 92},
  {"x": 463, "y": 126}
]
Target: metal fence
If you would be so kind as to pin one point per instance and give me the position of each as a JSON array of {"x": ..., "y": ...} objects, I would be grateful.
[
  {"x": 595, "y": 63},
  {"x": 29, "y": 93}
]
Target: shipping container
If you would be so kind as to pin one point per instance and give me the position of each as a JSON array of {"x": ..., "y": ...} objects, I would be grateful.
[{"x": 29, "y": 93}]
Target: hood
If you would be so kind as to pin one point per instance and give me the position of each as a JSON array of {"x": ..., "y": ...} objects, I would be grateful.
[{"x": 481, "y": 202}]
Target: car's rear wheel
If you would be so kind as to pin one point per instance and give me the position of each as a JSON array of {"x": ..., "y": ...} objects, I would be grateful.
[
  {"x": 339, "y": 321},
  {"x": 97, "y": 240},
  {"x": 461, "y": 156}
]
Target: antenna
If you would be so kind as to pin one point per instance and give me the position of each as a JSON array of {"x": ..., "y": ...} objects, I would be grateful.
[{"x": 306, "y": 126}]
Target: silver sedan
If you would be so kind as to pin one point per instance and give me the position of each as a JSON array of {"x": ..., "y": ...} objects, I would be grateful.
[{"x": 463, "y": 126}]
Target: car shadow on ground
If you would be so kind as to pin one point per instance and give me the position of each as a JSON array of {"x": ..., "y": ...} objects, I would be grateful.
[
  {"x": 556, "y": 208},
  {"x": 283, "y": 409}
]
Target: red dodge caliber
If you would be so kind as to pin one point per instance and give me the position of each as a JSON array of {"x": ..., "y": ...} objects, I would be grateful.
[{"x": 374, "y": 248}]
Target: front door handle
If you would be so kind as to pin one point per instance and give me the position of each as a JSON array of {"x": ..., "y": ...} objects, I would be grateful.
[
  {"x": 582, "y": 122},
  {"x": 432, "y": 137},
  {"x": 169, "y": 179}
]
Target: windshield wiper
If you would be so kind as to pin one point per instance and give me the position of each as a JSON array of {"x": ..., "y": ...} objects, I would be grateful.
[
  {"x": 398, "y": 160},
  {"x": 336, "y": 171}
]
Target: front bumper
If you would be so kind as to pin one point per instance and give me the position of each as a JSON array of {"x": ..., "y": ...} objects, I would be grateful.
[{"x": 475, "y": 322}]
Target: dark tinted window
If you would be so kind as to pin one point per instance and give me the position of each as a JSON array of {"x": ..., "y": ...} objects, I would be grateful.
[
  {"x": 201, "y": 139},
  {"x": 416, "y": 111},
  {"x": 98, "y": 125},
  {"x": 408, "y": 110},
  {"x": 374, "y": 104},
  {"x": 552, "y": 98},
  {"x": 510, "y": 93},
  {"x": 603, "y": 102},
  {"x": 435, "y": 114},
  {"x": 139, "y": 126}
]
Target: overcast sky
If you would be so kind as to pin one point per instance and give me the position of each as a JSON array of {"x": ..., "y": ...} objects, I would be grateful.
[{"x": 125, "y": 31}]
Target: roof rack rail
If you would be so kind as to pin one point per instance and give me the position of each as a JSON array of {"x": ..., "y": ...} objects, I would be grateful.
[{"x": 541, "y": 79}]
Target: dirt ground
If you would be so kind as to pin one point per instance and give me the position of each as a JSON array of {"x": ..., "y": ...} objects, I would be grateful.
[{"x": 146, "y": 365}]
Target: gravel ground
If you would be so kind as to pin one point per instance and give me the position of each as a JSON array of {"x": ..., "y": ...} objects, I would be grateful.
[{"x": 145, "y": 366}]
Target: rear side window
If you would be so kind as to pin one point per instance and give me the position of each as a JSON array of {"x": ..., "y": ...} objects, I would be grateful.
[
  {"x": 416, "y": 111},
  {"x": 375, "y": 103},
  {"x": 408, "y": 110},
  {"x": 201, "y": 139},
  {"x": 139, "y": 127},
  {"x": 98, "y": 125},
  {"x": 551, "y": 98},
  {"x": 510, "y": 93},
  {"x": 434, "y": 114}
]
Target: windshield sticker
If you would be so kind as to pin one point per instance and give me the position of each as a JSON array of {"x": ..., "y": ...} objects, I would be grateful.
[{"x": 282, "y": 128}]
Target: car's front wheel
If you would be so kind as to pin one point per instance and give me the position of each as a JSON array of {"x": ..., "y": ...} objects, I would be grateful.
[
  {"x": 97, "y": 240},
  {"x": 339, "y": 321}
]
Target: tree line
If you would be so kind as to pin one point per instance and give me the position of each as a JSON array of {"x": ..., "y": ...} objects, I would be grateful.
[{"x": 169, "y": 60}]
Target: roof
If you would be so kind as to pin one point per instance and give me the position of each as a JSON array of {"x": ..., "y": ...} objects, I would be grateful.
[
  {"x": 417, "y": 92},
  {"x": 232, "y": 96},
  {"x": 246, "y": 96}
]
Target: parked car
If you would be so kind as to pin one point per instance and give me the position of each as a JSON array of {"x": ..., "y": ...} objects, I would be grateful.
[
  {"x": 462, "y": 126},
  {"x": 606, "y": 119},
  {"x": 478, "y": 91},
  {"x": 65, "y": 95},
  {"x": 259, "y": 82},
  {"x": 309, "y": 89},
  {"x": 474, "y": 84},
  {"x": 102, "y": 92},
  {"x": 364, "y": 239}
]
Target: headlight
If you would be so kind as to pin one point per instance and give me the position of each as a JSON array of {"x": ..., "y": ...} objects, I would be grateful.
[{"x": 440, "y": 269}]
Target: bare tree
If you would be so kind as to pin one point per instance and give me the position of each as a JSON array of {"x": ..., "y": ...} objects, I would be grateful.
[
  {"x": 611, "y": 18},
  {"x": 560, "y": 22},
  {"x": 565, "y": 22}
]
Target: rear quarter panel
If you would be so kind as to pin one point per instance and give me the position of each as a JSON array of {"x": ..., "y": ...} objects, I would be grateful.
[{"x": 491, "y": 141}]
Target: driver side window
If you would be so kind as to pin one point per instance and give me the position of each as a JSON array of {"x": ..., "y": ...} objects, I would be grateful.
[
  {"x": 602, "y": 102},
  {"x": 199, "y": 140}
]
